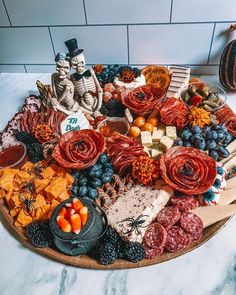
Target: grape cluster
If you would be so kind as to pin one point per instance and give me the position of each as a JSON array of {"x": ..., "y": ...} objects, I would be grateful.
[
  {"x": 213, "y": 139},
  {"x": 108, "y": 74},
  {"x": 88, "y": 180}
]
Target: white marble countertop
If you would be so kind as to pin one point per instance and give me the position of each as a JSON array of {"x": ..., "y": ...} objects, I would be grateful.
[{"x": 208, "y": 270}]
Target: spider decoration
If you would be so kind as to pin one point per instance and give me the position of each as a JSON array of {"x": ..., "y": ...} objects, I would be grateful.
[
  {"x": 28, "y": 186},
  {"x": 27, "y": 203},
  {"x": 36, "y": 170},
  {"x": 135, "y": 224}
]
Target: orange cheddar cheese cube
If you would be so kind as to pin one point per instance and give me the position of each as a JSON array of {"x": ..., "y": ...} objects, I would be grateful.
[{"x": 7, "y": 176}]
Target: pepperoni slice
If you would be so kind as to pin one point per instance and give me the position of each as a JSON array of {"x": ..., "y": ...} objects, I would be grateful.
[
  {"x": 191, "y": 223},
  {"x": 151, "y": 253},
  {"x": 168, "y": 216},
  {"x": 184, "y": 203},
  {"x": 177, "y": 239},
  {"x": 155, "y": 235}
]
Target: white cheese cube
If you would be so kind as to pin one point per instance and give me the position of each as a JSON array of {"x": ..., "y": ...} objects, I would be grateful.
[
  {"x": 146, "y": 138},
  {"x": 171, "y": 132},
  {"x": 156, "y": 154},
  {"x": 166, "y": 143},
  {"x": 158, "y": 133}
]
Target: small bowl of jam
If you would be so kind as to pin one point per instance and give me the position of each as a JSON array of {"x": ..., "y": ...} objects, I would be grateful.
[
  {"x": 114, "y": 124},
  {"x": 12, "y": 154}
]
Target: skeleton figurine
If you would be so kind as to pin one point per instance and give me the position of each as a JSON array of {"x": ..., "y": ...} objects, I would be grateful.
[
  {"x": 62, "y": 87},
  {"x": 87, "y": 86}
]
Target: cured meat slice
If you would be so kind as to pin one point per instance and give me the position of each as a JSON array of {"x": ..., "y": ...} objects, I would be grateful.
[
  {"x": 191, "y": 223},
  {"x": 168, "y": 216},
  {"x": 177, "y": 239},
  {"x": 226, "y": 116},
  {"x": 79, "y": 149},
  {"x": 188, "y": 170},
  {"x": 185, "y": 202},
  {"x": 155, "y": 235},
  {"x": 123, "y": 150},
  {"x": 142, "y": 100},
  {"x": 151, "y": 253}
]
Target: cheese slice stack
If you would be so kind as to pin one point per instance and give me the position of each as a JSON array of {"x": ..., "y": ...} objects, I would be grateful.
[
  {"x": 139, "y": 203},
  {"x": 179, "y": 80}
]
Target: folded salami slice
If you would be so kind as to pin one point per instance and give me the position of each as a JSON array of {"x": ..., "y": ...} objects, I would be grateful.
[
  {"x": 79, "y": 149},
  {"x": 188, "y": 170}
]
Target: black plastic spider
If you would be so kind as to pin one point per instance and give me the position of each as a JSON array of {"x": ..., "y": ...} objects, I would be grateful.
[
  {"x": 135, "y": 224},
  {"x": 36, "y": 170},
  {"x": 27, "y": 203},
  {"x": 28, "y": 186}
]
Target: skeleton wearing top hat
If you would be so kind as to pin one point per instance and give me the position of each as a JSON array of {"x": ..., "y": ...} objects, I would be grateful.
[
  {"x": 63, "y": 88},
  {"x": 87, "y": 86}
]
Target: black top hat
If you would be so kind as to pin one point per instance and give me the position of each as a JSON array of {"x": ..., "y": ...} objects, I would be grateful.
[{"x": 73, "y": 47}]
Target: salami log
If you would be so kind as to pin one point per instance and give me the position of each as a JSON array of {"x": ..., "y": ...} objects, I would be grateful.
[
  {"x": 188, "y": 170},
  {"x": 168, "y": 216},
  {"x": 79, "y": 149}
]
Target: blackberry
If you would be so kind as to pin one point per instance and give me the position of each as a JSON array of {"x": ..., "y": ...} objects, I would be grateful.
[
  {"x": 95, "y": 251},
  {"x": 40, "y": 234},
  {"x": 103, "y": 110},
  {"x": 25, "y": 137},
  {"x": 35, "y": 152},
  {"x": 134, "y": 252},
  {"x": 111, "y": 104},
  {"x": 111, "y": 236},
  {"x": 137, "y": 72},
  {"x": 120, "y": 249},
  {"x": 107, "y": 254}
]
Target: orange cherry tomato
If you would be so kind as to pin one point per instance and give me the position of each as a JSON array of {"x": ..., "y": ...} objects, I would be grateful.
[
  {"x": 147, "y": 127},
  {"x": 153, "y": 121},
  {"x": 139, "y": 122},
  {"x": 134, "y": 131}
]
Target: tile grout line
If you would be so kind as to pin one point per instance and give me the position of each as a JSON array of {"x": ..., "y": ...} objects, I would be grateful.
[
  {"x": 128, "y": 44},
  {"x": 134, "y": 64},
  {"x": 85, "y": 12},
  {"x": 212, "y": 38},
  {"x": 171, "y": 8},
  {"x": 25, "y": 69},
  {"x": 123, "y": 24},
  {"x": 3, "y": 2},
  {"x": 51, "y": 40}
]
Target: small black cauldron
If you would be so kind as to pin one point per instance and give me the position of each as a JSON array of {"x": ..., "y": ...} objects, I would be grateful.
[{"x": 73, "y": 244}]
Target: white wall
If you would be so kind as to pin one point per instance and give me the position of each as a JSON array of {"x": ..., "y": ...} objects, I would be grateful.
[{"x": 136, "y": 32}]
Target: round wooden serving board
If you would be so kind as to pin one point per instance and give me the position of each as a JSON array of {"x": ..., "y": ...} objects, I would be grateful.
[{"x": 87, "y": 262}]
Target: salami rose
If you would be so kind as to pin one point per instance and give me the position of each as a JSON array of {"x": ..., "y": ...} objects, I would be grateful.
[
  {"x": 79, "y": 149},
  {"x": 188, "y": 170},
  {"x": 142, "y": 100}
]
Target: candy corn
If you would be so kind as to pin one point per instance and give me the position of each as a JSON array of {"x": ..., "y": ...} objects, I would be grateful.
[
  {"x": 77, "y": 204},
  {"x": 64, "y": 224},
  {"x": 83, "y": 214},
  {"x": 76, "y": 223}
]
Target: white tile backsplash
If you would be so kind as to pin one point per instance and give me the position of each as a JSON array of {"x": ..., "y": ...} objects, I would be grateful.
[
  {"x": 12, "y": 69},
  {"x": 44, "y": 12},
  {"x": 3, "y": 15},
  {"x": 177, "y": 44},
  {"x": 126, "y": 12},
  {"x": 102, "y": 44},
  {"x": 134, "y": 31},
  {"x": 25, "y": 45},
  {"x": 222, "y": 37},
  {"x": 202, "y": 10}
]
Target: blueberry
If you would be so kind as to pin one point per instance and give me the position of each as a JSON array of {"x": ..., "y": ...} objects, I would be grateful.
[
  {"x": 109, "y": 171},
  {"x": 217, "y": 183},
  {"x": 188, "y": 144},
  {"x": 224, "y": 129},
  {"x": 95, "y": 173},
  {"x": 74, "y": 190},
  {"x": 216, "y": 127},
  {"x": 220, "y": 170},
  {"x": 82, "y": 181},
  {"x": 200, "y": 143},
  {"x": 103, "y": 158},
  {"x": 92, "y": 193},
  {"x": 220, "y": 135},
  {"x": 83, "y": 190},
  {"x": 223, "y": 152},
  {"x": 207, "y": 129},
  {"x": 208, "y": 135},
  {"x": 197, "y": 129},
  {"x": 100, "y": 166},
  {"x": 228, "y": 138},
  {"x": 213, "y": 154},
  {"x": 106, "y": 178},
  {"x": 210, "y": 144},
  {"x": 107, "y": 165},
  {"x": 94, "y": 168},
  {"x": 95, "y": 183},
  {"x": 178, "y": 142},
  {"x": 75, "y": 174},
  {"x": 186, "y": 135},
  {"x": 213, "y": 135},
  {"x": 197, "y": 136}
]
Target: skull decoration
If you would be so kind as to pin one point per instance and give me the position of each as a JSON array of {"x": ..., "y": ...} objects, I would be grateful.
[{"x": 62, "y": 65}]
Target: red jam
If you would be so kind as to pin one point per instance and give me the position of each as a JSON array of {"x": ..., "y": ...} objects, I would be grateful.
[
  {"x": 12, "y": 155},
  {"x": 113, "y": 126}
]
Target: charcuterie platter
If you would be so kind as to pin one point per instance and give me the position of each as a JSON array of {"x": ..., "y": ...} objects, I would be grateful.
[{"x": 116, "y": 166}]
